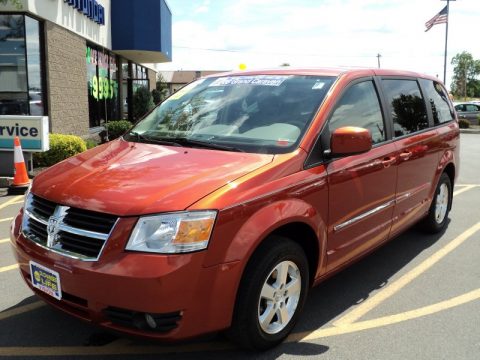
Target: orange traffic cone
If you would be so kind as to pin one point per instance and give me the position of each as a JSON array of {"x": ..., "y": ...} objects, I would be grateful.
[{"x": 20, "y": 178}]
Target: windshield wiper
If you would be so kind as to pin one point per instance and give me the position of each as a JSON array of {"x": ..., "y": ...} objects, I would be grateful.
[
  {"x": 152, "y": 140},
  {"x": 180, "y": 141},
  {"x": 204, "y": 144}
]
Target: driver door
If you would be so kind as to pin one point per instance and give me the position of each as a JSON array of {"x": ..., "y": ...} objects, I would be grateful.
[{"x": 361, "y": 187}]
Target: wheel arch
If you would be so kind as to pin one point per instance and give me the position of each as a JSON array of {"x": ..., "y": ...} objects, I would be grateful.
[
  {"x": 450, "y": 171},
  {"x": 305, "y": 236}
]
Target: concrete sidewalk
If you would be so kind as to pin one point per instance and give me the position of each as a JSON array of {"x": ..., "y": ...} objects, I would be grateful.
[{"x": 470, "y": 131}]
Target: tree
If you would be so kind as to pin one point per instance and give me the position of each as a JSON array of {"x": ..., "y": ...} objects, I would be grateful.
[
  {"x": 161, "y": 90},
  {"x": 142, "y": 102},
  {"x": 465, "y": 72}
]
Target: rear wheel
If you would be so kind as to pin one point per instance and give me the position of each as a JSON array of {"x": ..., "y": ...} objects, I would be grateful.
[
  {"x": 271, "y": 295},
  {"x": 437, "y": 216}
]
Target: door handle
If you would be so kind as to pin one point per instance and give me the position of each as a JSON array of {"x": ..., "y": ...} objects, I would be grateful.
[
  {"x": 388, "y": 161},
  {"x": 405, "y": 155}
]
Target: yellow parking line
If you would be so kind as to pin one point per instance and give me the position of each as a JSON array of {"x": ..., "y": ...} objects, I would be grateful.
[
  {"x": 107, "y": 350},
  {"x": 20, "y": 310},
  {"x": 8, "y": 268},
  {"x": 3, "y": 241},
  {"x": 15, "y": 200},
  {"x": 466, "y": 188},
  {"x": 122, "y": 347},
  {"x": 6, "y": 219},
  {"x": 386, "y": 320},
  {"x": 395, "y": 286}
]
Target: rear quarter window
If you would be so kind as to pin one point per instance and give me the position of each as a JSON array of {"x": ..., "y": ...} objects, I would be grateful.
[
  {"x": 437, "y": 99},
  {"x": 406, "y": 105}
]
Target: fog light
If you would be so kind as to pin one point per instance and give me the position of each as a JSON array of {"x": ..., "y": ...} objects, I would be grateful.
[{"x": 150, "y": 321}]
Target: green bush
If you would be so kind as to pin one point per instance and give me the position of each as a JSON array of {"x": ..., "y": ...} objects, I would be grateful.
[
  {"x": 90, "y": 143},
  {"x": 61, "y": 148},
  {"x": 463, "y": 124},
  {"x": 117, "y": 128}
]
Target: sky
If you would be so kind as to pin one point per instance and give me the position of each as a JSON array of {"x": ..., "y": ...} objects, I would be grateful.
[{"x": 222, "y": 34}]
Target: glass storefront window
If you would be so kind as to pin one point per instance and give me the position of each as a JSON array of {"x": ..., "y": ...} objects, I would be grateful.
[
  {"x": 13, "y": 69},
  {"x": 130, "y": 84},
  {"x": 21, "y": 90},
  {"x": 34, "y": 68},
  {"x": 102, "y": 78}
]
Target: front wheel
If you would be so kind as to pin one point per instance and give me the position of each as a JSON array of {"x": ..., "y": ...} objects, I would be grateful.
[
  {"x": 437, "y": 217},
  {"x": 271, "y": 295}
]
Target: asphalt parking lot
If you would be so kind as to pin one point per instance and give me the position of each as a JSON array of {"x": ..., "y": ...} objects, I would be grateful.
[{"x": 416, "y": 297}]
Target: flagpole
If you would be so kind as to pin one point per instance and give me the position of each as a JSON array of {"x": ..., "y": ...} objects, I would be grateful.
[{"x": 446, "y": 45}]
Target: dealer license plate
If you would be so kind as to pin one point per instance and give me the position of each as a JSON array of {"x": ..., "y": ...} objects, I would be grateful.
[{"x": 46, "y": 280}]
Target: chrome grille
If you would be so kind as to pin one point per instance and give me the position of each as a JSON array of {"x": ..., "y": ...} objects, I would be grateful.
[{"x": 72, "y": 232}]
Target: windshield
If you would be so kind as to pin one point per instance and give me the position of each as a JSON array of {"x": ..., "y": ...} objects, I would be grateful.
[{"x": 260, "y": 113}]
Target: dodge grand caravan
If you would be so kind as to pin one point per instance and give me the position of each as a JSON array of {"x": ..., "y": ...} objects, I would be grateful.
[{"x": 226, "y": 203}]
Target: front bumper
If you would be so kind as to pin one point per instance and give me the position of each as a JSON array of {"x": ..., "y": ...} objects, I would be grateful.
[{"x": 118, "y": 289}]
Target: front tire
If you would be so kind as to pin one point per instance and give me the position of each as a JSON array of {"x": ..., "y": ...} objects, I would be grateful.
[
  {"x": 271, "y": 294},
  {"x": 437, "y": 217}
]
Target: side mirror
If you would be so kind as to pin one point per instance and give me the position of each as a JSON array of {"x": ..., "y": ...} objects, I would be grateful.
[{"x": 350, "y": 140}]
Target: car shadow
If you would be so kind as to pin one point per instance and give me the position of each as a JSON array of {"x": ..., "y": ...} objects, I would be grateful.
[
  {"x": 48, "y": 327},
  {"x": 356, "y": 283}
]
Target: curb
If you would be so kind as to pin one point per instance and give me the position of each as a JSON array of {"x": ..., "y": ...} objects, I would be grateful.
[
  {"x": 469, "y": 131},
  {"x": 5, "y": 181}
]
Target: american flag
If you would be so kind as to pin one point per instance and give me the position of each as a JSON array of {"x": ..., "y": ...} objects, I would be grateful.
[{"x": 440, "y": 18}]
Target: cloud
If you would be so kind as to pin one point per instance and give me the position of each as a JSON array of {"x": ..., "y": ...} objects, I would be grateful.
[
  {"x": 203, "y": 8},
  {"x": 265, "y": 33}
]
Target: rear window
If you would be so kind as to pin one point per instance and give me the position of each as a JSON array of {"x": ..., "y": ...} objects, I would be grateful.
[{"x": 406, "y": 106}]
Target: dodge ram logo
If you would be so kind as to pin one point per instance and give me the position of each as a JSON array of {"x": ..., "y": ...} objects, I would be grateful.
[{"x": 54, "y": 223}]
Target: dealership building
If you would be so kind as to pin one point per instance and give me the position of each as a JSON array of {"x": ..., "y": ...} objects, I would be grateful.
[{"x": 78, "y": 62}]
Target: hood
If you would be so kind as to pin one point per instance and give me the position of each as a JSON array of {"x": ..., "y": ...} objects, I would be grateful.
[{"x": 124, "y": 178}]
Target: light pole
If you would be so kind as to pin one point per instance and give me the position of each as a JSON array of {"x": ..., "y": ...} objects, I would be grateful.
[{"x": 378, "y": 59}]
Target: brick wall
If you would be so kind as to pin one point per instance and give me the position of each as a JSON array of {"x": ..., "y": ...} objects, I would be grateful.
[
  {"x": 66, "y": 81},
  {"x": 152, "y": 76}
]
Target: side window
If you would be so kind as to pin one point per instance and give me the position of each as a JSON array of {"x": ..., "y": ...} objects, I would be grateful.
[
  {"x": 406, "y": 105},
  {"x": 438, "y": 100},
  {"x": 471, "y": 107},
  {"x": 359, "y": 106}
]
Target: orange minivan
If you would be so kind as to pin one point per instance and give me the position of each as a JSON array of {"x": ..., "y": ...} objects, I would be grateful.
[{"x": 226, "y": 203}]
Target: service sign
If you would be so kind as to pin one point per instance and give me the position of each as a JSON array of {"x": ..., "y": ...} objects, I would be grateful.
[{"x": 32, "y": 131}]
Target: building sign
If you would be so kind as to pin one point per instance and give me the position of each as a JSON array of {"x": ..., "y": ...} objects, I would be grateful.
[
  {"x": 32, "y": 131},
  {"x": 102, "y": 80},
  {"x": 90, "y": 8},
  {"x": 102, "y": 86}
]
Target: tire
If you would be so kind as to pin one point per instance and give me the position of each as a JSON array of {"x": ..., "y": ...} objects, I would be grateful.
[
  {"x": 437, "y": 216},
  {"x": 268, "y": 307}
]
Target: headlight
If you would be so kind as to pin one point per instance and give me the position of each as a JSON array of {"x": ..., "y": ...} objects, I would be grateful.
[
  {"x": 173, "y": 233},
  {"x": 27, "y": 202},
  {"x": 26, "y": 195}
]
